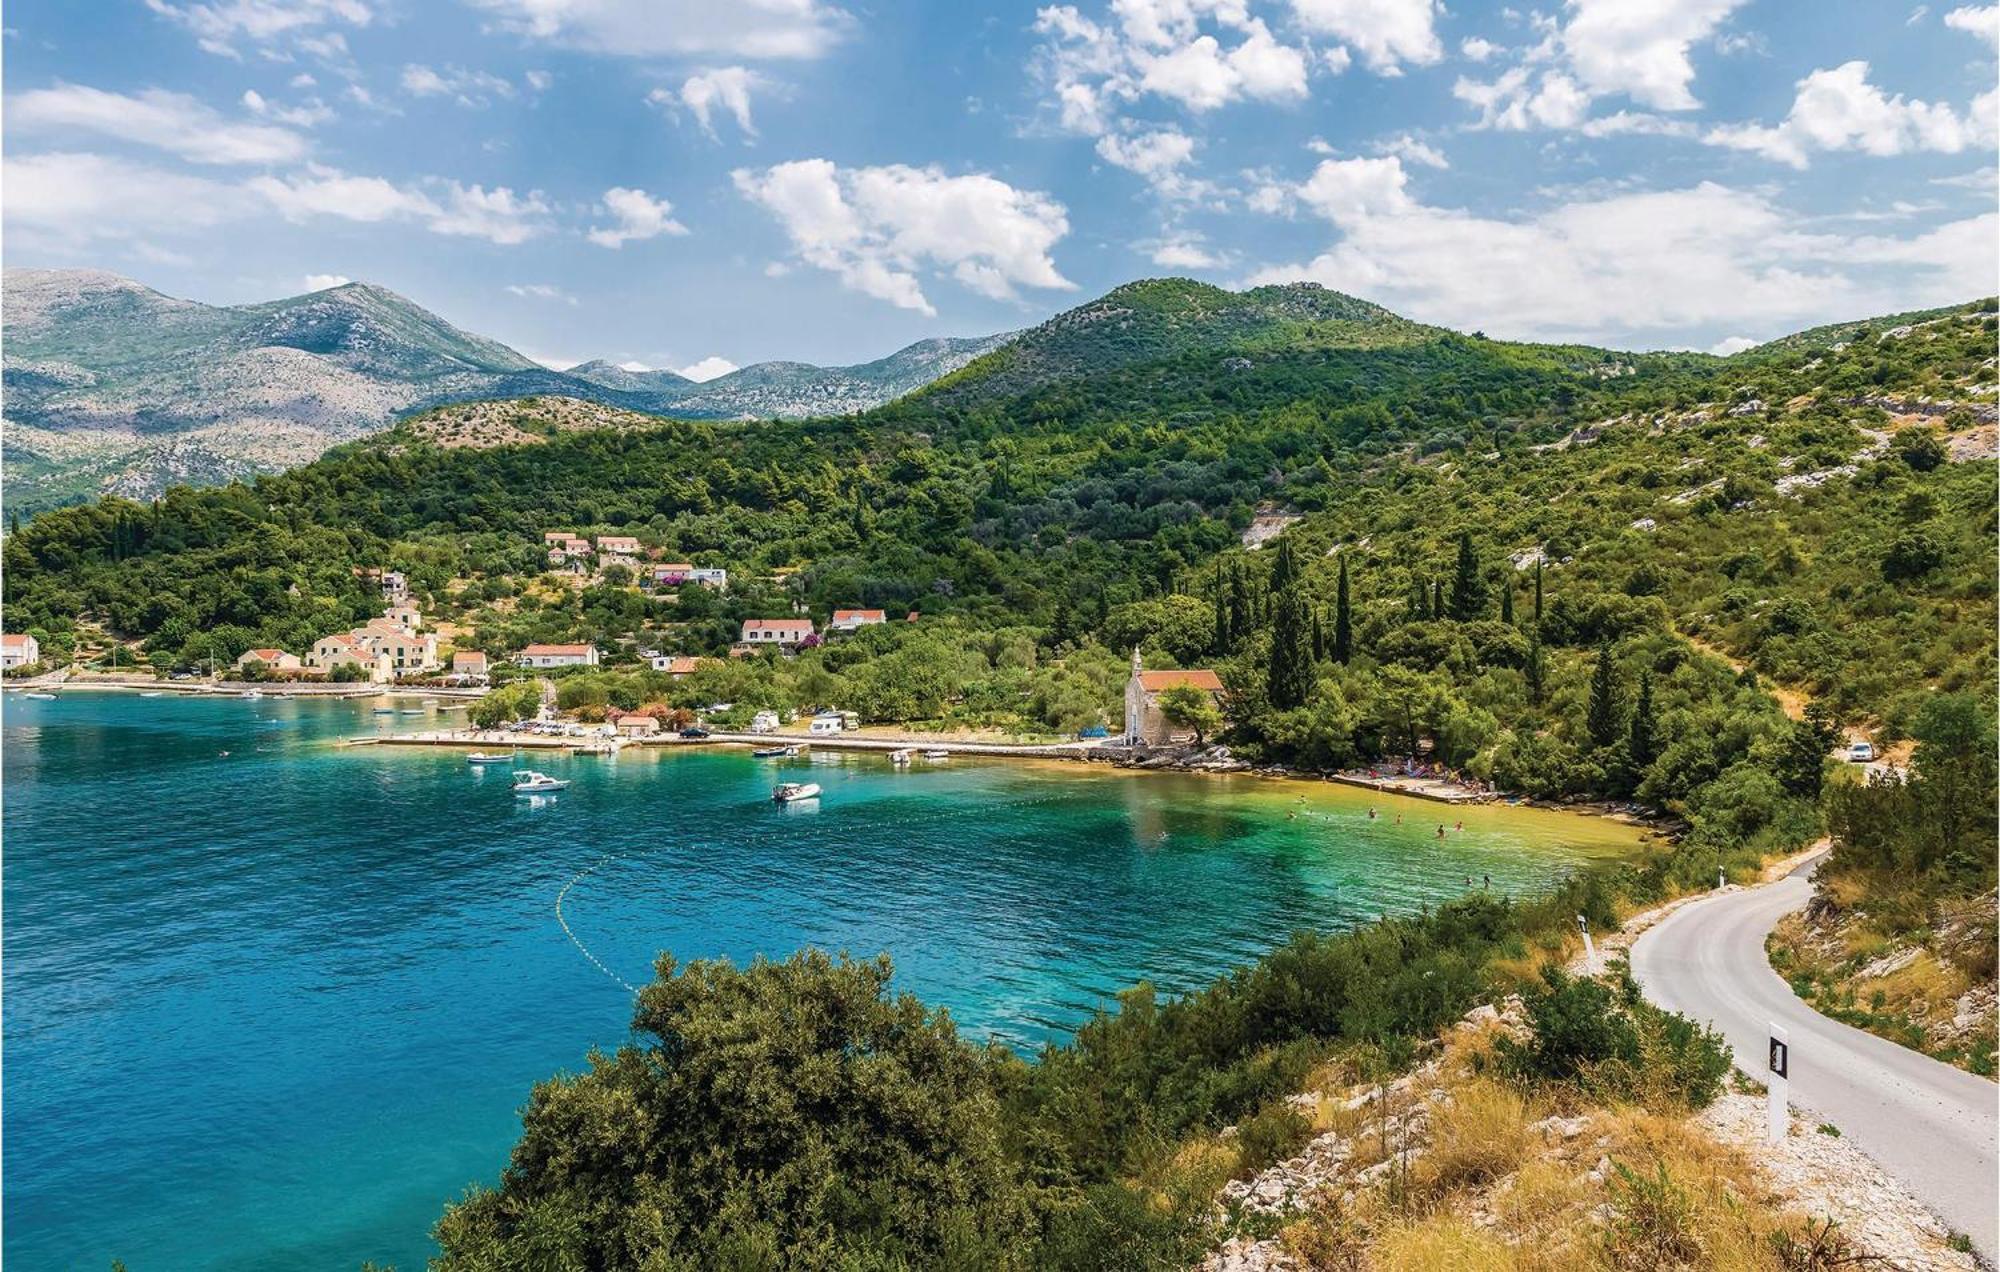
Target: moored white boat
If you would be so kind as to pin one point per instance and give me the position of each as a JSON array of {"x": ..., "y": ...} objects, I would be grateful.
[
  {"x": 151, "y": 693},
  {"x": 529, "y": 782},
  {"x": 775, "y": 752},
  {"x": 937, "y": 753},
  {"x": 793, "y": 792},
  {"x": 45, "y": 697},
  {"x": 490, "y": 757}
]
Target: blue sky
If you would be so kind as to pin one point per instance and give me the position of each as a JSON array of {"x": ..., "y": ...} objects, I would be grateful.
[{"x": 698, "y": 183}]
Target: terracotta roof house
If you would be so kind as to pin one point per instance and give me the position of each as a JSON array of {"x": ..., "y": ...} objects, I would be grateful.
[
  {"x": 19, "y": 650},
  {"x": 558, "y": 656},
  {"x": 847, "y": 620},
  {"x": 275, "y": 659},
  {"x": 776, "y": 631}
]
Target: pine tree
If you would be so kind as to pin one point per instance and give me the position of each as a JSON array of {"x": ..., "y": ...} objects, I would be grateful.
[
  {"x": 1507, "y": 602},
  {"x": 1468, "y": 590},
  {"x": 1605, "y": 720},
  {"x": 1343, "y": 619},
  {"x": 1291, "y": 649},
  {"x": 1642, "y": 741}
]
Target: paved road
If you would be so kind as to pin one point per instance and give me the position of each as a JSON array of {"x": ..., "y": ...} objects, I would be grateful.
[{"x": 1935, "y": 1128}]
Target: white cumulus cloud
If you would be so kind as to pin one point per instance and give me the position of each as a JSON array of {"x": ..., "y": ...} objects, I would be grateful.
[
  {"x": 635, "y": 217},
  {"x": 1839, "y": 109},
  {"x": 1655, "y": 267},
  {"x": 706, "y": 369},
  {"x": 320, "y": 282},
  {"x": 219, "y": 25},
  {"x": 1387, "y": 33},
  {"x": 723, "y": 89},
  {"x": 875, "y": 228},
  {"x": 1980, "y": 20}
]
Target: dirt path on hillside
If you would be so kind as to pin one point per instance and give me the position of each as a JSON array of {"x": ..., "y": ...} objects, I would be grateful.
[{"x": 1792, "y": 701}]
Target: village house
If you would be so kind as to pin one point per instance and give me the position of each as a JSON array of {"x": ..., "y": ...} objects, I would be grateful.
[
  {"x": 709, "y": 576},
  {"x": 784, "y": 632},
  {"x": 623, "y": 545},
  {"x": 356, "y": 647},
  {"x": 272, "y": 659},
  {"x": 468, "y": 666},
  {"x": 848, "y": 620},
  {"x": 678, "y": 666},
  {"x": 558, "y": 656},
  {"x": 394, "y": 586},
  {"x": 1145, "y": 724},
  {"x": 408, "y": 651},
  {"x": 552, "y": 537},
  {"x": 634, "y": 725},
  {"x": 670, "y": 574},
  {"x": 404, "y": 614},
  {"x": 18, "y": 650}
]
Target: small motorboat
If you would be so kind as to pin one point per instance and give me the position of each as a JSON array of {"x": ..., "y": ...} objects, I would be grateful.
[
  {"x": 411, "y": 711},
  {"x": 529, "y": 782},
  {"x": 937, "y": 753},
  {"x": 43, "y": 697},
  {"x": 430, "y": 702},
  {"x": 385, "y": 711},
  {"x": 151, "y": 693},
  {"x": 902, "y": 758},
  {"x": 793, "y": 792},
  {"x": 490, "y": 757},
  {"x": 774, "y": 752},
  {"x": 252, "y": 693}
]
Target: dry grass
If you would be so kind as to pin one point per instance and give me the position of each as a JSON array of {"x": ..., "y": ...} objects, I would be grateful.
[
  {"x": 1481, "y": 1136},
  {"x": 1444, "y": 1241}
]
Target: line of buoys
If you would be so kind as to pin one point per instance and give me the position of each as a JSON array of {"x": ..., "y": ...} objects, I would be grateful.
[{"x": 580, "y": 946}]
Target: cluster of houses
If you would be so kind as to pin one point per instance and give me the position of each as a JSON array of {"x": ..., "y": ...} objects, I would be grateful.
[
  {"x": 576, "y": 554},
  {"x": 792, "y": 634},
  {"x": 387, "y": 647}
]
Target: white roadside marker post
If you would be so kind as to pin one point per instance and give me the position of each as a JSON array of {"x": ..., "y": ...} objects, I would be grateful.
[
  {"x": 1589, "y": 946},
  {"x": 1778, "y": 1084}
]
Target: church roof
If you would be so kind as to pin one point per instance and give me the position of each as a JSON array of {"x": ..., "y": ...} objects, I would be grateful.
[{"x": 1198, "y": 677}]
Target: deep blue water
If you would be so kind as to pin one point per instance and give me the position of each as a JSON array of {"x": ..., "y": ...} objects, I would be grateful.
[{"x": 273, "y": 1009}]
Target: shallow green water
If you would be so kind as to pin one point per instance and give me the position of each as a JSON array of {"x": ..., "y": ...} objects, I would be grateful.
[{"x": 273, "y": 1009}]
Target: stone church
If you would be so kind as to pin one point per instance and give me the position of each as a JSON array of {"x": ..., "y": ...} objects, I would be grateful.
[{"x": 1144, "y": 724}]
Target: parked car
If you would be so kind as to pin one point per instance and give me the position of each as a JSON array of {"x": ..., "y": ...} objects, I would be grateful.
[
  {"x": 1860, "y": 752},
  {"x": 694, "y": 732}
]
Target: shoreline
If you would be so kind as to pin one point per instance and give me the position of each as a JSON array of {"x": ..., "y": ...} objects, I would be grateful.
[{"x": 1073, "y": 757}]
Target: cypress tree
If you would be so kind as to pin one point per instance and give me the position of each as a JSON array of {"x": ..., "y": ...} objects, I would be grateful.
[
  {"x": 1319, "y": 635},
  {"x": 1468, "y": 590},
  {"x": 1242, "y": 608},
  {"x": 1536, "y": 670},
  {"x": 1538, "y": 595},
  {"x": 1437, "y": 598},
  {"x": 1291, "y": 649},
  {"x": 1642, "y": 742},
  {"x": 1343, "y": 619},
  {"x": 1221, "y": 642},
  {"x": 1604, "y": 720},
  {"x": 1507, "y": 602},
  {"x": 1286, "y": 569},
  {"x": 1420, "y": 603}
]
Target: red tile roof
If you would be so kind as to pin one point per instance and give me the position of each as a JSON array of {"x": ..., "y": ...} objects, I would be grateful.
[
  {"x": 543, "y": 650},
  {"x": 14, "y": 640},
  {"x": 1199, "y": 677},
  {"x": 777, "y": 625},
  {"x": 864, "y": 616}
]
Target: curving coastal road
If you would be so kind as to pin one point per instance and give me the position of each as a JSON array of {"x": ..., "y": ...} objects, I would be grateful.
[{"x": 1935, "y": 1128}]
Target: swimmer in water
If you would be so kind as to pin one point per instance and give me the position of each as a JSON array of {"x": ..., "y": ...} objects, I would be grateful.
[
  {"x": 1489, "y": 881},
  {"x": 1371, "y": 814},
  {"x": 1399, "y": 819},
  {"x": 1458, "y": 826},
  {"x": 1440, "y": 830}
]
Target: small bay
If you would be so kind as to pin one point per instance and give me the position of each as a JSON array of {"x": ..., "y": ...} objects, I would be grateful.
[{"x": 271, "y": 1003}]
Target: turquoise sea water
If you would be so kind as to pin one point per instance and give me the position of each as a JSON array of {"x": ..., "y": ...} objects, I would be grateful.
[{"x": 274, "y": 1008}]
